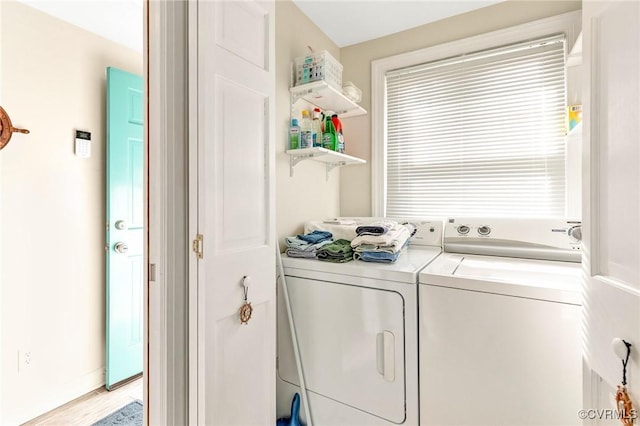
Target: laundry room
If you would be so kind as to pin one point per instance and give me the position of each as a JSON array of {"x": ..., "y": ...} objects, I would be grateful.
[
  {"x": 347, "y": 191},
  {"x": 320, "y": 212},
  {"x": 466, "y": 130}
]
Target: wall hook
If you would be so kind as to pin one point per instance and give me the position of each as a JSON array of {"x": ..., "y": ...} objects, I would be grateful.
[
  {"x": 625, "y": 362},
  {"x": 7, "y": 129},
  {"x": 622, "y": 349}
]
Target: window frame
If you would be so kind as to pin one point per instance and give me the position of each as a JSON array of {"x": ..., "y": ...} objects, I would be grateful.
[{"x": 569, "y": 24}]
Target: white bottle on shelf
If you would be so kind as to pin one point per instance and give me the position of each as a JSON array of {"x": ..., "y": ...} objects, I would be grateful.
[
  {"x": 316, "y": 126},
  {"x": 306, "y": 131}
]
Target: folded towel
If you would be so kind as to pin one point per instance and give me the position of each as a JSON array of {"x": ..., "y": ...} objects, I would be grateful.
[
  {"x": 339, "y": 231},
  {"x": 411, "y": 227},
  {"x": 337, "y": 251},
  {"x": 338, "y": 247},
  {"x": 337, "y": 221},
  {"x": 335, "y": 259},
  {"x": 300, "y": 248},
  {"x": 301, "y": 253},
  {"x": 298, "y": 244},
  {"x": 394, "y": 247},
  {"x": 394, "y": 239},
  {"x": 315, "y": 236},
  {"x": 376, "y": 256},
  {"x": 376, "y": 228}
]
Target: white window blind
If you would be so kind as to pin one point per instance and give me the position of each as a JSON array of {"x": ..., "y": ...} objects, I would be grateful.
[{"x": 481, "y": 134}]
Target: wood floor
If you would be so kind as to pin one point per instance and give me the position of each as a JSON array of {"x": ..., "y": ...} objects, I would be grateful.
[{"x": 91, "y": 407}]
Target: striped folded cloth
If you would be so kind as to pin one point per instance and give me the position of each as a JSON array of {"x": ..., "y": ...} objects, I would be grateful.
[
  {"x": 303, "y": 249},
  {"x": 301, "y": 254},
  {"x": 394, "y": 247},
  {"x": 391, "y": 242},
  {"x": 376, "y": 228}
]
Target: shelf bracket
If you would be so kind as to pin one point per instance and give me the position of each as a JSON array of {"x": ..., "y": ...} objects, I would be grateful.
[
  {"x": 295, "y": 159},
  {"x": 295, "y": 97},
  {"x": 331, "y": 166}
]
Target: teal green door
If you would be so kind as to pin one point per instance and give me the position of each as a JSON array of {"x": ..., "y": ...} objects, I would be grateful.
[{"x": 125, "y": 227}]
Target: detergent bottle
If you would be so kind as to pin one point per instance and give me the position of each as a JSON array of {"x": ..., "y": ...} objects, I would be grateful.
[{"x": 338, "y": 126}]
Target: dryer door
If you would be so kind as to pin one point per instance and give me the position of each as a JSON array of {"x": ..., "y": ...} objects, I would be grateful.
[{"x": 351, "y": 344}]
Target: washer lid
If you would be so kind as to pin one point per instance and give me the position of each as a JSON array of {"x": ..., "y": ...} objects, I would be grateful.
[
  {"x": 404, "y": 270},
  {"x": 537, "y": 279}
]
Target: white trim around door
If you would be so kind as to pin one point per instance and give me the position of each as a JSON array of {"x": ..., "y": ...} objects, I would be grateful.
[{"x": 167, "y": 356}]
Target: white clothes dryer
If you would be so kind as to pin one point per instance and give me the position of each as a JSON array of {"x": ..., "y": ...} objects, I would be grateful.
[
  {"x": 500, "y": 328},
  {"x": 356, "y": 325}
]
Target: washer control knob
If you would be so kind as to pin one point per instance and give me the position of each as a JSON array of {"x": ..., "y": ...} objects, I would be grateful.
[
  {"x": 463, "y": 229},
  {"x": 575, "y": 233},
  {"x": 484, "y": 230}
]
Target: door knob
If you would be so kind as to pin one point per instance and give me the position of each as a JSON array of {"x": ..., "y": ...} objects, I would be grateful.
[
  {"x": 121, "y": 247},
  {"x": 121, "y": 225}
]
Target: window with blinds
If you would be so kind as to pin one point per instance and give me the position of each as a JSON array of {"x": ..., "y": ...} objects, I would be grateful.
[{"x": 480, "y": 134}]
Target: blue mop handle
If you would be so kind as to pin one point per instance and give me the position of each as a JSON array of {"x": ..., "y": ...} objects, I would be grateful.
[{"x": 295, "y": 410}]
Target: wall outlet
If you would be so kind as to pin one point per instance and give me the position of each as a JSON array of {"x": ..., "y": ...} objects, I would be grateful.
[{"x": 24, "y": 360}]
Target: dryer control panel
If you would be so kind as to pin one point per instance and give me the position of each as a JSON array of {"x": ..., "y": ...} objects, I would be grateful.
[
  {"x": 547, "y": 239},
  {"x": 428, "y": 232}
]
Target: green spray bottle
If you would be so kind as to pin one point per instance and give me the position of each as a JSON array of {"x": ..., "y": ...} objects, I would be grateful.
[{"x": 329, "y": 137}]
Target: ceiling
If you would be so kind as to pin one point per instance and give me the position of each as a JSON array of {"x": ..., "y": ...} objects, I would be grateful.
[
  {"x": 346, "y": 22},
  {"x": 116, "y": 20}
]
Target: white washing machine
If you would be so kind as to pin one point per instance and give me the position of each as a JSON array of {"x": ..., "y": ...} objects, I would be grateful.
[
  {"x": 356, "y": 325},
  {"x": 500, "y": 325}
]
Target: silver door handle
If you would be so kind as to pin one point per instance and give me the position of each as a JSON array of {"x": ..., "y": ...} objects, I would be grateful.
[
  {"x": 121, "y": 225},
  {"x": 386, "y": 357},
  {"x": 121, "y": 247}
]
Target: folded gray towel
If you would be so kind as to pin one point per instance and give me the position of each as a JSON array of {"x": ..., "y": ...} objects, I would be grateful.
[{"x": 301, "y": 253}]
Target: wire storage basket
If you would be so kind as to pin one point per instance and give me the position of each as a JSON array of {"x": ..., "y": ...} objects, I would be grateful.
[{"x": 318, "y": 66}]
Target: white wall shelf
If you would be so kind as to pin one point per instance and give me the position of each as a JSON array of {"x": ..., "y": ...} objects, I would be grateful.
[
  {"x": 331, "y": 158},
  {"x": 327, "y": 98}
]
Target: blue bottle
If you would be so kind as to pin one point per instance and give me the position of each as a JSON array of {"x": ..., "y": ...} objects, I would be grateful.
[{"x": 294, "y": 134}]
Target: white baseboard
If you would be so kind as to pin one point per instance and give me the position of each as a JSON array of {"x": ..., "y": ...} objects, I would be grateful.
[{"x": 64, "y": 393}]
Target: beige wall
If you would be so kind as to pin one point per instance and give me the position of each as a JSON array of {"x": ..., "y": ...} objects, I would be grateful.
[
  {"x": 355, "y": 191},
  {"x": 52, "y": 209},
  {"x": 306, "y": 195}
]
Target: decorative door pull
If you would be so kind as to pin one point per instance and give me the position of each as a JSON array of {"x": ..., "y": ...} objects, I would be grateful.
[
  {"x": 622, "y": 349},
  {"x": 245, "y": 310},
  {"x": 7, "y": 129}
]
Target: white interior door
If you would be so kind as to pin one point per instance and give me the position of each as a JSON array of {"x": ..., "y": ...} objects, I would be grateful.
[
  {"x": 612, "y": 198},
  {"x": 235, "y": 63}
]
